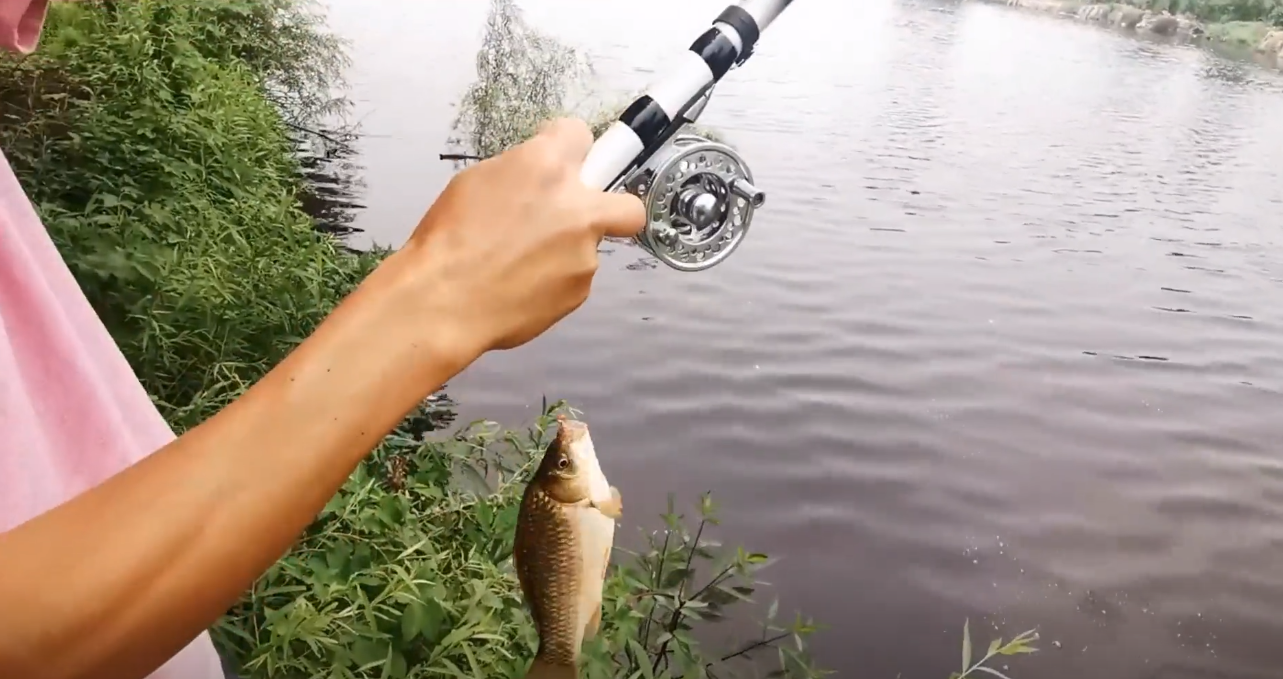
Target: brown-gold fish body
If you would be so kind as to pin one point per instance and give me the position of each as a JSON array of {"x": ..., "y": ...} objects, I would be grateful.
[{"x": 565, "y": 531}]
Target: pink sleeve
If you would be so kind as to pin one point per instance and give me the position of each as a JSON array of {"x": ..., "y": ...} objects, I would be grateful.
[
  {"x": 20, "y": 24},
  {"x": 72, "y": 412},
  {"x": 71, "y": 409}
]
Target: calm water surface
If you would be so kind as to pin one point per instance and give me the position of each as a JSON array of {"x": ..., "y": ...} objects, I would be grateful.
[{"x": 1006, "y": 341}]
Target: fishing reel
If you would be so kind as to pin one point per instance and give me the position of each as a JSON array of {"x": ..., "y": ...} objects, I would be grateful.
[{"x": 700, "y": 199}]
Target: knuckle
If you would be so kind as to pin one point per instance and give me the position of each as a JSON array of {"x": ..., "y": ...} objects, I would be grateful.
[
  {"x": 545, "y": 158},
  {"x": 567, "y": 125},
  {"x": 577, "y": 127}
]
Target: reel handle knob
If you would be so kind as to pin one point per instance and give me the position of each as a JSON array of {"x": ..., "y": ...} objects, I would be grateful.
[{"x": 745, "y": 189}]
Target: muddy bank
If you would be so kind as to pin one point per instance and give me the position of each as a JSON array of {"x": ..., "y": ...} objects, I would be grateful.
[{"x": 1266, "y": 42}]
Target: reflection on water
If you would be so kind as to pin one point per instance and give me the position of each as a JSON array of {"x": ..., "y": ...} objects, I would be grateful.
[
  {"x": 1004, "y": 343},
  {"x": 331, "y": 177}
]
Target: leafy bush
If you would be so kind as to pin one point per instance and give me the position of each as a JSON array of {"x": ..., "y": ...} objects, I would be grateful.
[{"x": 169, "y": 183}]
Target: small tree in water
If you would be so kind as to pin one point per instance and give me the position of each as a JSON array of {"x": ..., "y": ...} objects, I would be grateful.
[{"x": 523, "y": 78}]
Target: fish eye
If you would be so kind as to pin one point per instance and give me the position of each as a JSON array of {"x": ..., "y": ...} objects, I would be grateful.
[{"x": 562, "y": 463}]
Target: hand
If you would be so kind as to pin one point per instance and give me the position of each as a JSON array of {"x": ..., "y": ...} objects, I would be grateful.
[{"x": 511, "y": 244}]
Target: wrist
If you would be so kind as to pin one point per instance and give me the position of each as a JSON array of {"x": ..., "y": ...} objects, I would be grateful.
[{"x": 418, "y": 301}]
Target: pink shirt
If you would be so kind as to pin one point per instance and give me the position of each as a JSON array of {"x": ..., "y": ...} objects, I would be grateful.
[{"x": 72, "y": 412}]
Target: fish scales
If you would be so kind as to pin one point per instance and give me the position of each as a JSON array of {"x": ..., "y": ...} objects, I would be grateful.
[{"x": 551, "y": 551}]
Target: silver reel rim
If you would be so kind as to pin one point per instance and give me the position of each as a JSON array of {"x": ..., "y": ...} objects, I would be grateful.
[{"x": 669, "y": 178}]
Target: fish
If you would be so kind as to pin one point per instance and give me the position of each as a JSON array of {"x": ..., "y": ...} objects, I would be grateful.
[{"x": 564, "y": 536}]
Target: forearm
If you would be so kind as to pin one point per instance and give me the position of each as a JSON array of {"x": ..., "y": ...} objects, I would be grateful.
[{"x": 115, "y": 582}]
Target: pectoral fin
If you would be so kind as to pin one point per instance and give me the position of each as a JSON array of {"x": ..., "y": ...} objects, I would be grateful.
[{"x": 614, "y": 507}]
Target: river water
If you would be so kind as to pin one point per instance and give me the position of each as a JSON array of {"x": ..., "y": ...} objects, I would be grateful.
[{"x": 1005, "y": 343}]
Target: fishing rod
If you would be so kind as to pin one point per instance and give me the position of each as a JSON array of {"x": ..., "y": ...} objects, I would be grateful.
[{"x": 699, "y": 194}]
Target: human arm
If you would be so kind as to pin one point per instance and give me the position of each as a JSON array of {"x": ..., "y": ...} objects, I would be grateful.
[{"x": 113, "y": 583}]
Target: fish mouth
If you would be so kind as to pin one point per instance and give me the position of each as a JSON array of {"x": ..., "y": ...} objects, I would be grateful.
[
  {"x": 573, "y": 437},
  {"x": 570, "y": 431}
]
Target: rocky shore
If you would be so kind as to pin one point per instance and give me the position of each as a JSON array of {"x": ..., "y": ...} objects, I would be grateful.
[{"x": 1267, "y": 42}]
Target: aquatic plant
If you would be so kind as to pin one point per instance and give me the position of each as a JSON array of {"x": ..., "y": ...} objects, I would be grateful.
[{"x": 970, "y": 667}]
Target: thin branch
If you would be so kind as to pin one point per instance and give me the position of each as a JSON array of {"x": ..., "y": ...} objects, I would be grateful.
[
  {"x": 307, "y": 130},
  {"x": 749, "y": 648},
  {"x": 681, "y": 602},
  {"x": 659, "y": 584}
]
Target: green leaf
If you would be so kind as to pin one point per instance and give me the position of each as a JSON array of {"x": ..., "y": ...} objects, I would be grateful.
[
  {"x": 389, "y": 510},
  {"x": 756, "y": 558},
  {"x": 643, "y": 658},
  {"x": 966, "y": 645},
  {"x": 424, "y": 618},
  {"x": 337, "y": 557},
  {"x": 473, "y": 480},
  {"x": 412, "y": 620},
  {"x": 397, "y": 668},
  {"x": 455, "y": 636},
  {"x": 369, "y": 652},
  {"x": 485, "y": 514},
  {"x": 675, "y": 577}
]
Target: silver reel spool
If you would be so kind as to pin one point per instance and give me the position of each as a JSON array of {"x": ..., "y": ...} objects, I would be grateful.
[{"x": 700, "y": 199}]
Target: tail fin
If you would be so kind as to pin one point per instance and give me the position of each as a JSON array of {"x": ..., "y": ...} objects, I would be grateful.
[{"x": 540, "y": 669}]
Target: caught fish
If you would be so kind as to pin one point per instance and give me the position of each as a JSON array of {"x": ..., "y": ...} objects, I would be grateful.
[{"x": 565, "y": 531}]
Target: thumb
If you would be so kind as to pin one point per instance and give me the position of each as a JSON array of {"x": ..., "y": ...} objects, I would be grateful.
[{"x": 618, "y": 215}]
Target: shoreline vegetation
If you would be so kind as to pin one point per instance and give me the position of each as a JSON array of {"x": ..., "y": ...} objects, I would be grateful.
[
  {"x": 1240, "y": 25},
  {"x": 160, "y": 143}
]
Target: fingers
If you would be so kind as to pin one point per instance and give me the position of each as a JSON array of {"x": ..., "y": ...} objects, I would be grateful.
[
  {"x": 618, "y": 215},
  {"x": 571, "y": 137}
]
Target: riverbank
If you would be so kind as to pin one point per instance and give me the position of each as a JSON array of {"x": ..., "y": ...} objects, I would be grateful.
[{"x": 1253, "y": 29}]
